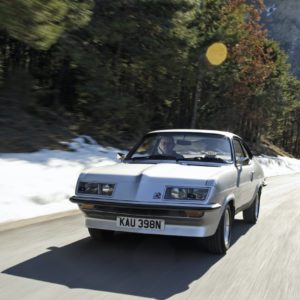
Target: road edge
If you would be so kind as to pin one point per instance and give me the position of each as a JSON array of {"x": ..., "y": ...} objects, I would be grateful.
[{"x": 40, "y": 219}]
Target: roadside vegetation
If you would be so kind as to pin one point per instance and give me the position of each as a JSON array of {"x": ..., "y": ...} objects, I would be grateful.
[{"x": 116, "y": 69}]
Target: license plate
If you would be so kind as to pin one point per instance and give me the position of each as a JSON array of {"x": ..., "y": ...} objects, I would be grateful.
[{"x": 141, "y": 223}]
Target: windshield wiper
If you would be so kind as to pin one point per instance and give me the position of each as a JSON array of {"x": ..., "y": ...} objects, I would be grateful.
[
  {"x": 158, "y": 156},
  {"x": 140, "y": 157},
  {"x": 161, "y": 156},
  {"x": 170, "y": 157},
  {"x": 208, "y": 159}
]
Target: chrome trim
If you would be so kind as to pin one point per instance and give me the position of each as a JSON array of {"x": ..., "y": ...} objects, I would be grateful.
[
  {"x": 170, "y": 219},
  {"x": 152, "y": 204}
]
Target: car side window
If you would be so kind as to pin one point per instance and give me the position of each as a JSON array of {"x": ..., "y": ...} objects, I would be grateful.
[
  {"x": 247, "y": 150},
  {"x": 238, "y": 149}
]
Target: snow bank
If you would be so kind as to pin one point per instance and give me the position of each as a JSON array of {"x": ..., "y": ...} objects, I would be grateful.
[
  {"x": 274, "y": 166},
  {"x": 40, "y": 183}
]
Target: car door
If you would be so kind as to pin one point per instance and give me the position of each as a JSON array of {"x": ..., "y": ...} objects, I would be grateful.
[{"x": 245, "y": 173}]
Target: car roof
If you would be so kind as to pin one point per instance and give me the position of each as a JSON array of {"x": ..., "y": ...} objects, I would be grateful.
[{"x": 224, "y": 133}]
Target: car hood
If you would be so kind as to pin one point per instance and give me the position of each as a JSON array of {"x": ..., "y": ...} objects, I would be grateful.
[
  {"x": 141, "y": 182},
  {"x": 133, "y": 172}
]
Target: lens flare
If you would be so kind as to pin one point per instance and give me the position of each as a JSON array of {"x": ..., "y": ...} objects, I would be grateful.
[{"x": 216, "y": 54}]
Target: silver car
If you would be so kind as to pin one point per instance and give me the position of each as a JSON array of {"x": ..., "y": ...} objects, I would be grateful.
[{"x": 174, "y": 182}]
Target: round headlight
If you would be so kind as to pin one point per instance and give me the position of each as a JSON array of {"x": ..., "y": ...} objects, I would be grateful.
[
  {"x": 107, "y": 189},
  {"x": 174, "y": 193},
  {"x": 200, "y": 194},
  {"x": 88, "y": 188},
  {"x": 182, "y": 193},
  {"x": 178, "y": 193}
]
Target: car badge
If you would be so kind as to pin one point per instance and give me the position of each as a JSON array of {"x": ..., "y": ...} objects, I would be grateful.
[{"x": 157, "y": 195}]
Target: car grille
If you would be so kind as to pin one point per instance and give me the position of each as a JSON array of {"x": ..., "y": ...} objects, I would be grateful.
[{"x": 174, "y": 216}]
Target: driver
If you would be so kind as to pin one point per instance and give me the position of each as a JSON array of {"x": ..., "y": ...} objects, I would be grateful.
[{"x": 166, "y": 146}]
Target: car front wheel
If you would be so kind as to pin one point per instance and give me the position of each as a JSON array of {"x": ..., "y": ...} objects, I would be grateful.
[
  {"x": 99, "y": 234},
  {"x": 221, "y": 240}
]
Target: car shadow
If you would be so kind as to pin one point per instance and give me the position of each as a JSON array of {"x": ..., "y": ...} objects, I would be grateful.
[
  {"x": 146, "y": 266},
  {"x": 240, "y": 227}
]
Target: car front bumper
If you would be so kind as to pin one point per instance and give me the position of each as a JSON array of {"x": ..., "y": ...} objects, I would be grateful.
[{"x": 180, "y": 220}]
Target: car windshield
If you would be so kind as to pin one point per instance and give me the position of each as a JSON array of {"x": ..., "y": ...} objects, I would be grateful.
[{"x": 183, "y": 146}]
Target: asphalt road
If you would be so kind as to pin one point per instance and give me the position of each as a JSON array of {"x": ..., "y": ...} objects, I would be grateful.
[{"x": 56, "y": 259}]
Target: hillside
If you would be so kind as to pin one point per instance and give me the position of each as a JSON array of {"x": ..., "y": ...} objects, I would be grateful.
[
  {"x": 282, "y": 19},
  {"x": 25, "y": 130}
]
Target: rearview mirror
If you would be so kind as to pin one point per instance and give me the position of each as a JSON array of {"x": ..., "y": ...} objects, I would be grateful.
[
  {"x": 183, "y": 142},
  {"x": 242, "y": 161},
  {"x": 120, "y": 156}
]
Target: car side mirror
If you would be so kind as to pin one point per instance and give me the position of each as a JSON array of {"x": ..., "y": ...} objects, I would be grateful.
[
  {"x": 243, "y": 161},
  {"x": 120, "y": 156}
]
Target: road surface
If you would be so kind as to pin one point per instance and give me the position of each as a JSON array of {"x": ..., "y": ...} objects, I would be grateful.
[{"x": 56, "y": 259}]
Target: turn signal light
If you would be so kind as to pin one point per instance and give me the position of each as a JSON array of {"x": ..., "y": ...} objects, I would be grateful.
[{"x": 194, "y": 213}]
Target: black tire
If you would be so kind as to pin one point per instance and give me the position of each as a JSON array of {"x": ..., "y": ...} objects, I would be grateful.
[
  {"x": 250, "y": 215},
  {"x": 221, "y": 240},
  {"x": 99, "y": 234}
]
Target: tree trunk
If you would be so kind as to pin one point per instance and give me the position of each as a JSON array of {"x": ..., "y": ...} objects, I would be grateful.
[{"x": 197, "y": 97}]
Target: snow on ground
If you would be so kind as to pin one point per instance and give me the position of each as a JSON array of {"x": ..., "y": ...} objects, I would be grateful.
[
  {"x": 41, "y": 183},
  {"x": 274, "y": 166}
]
